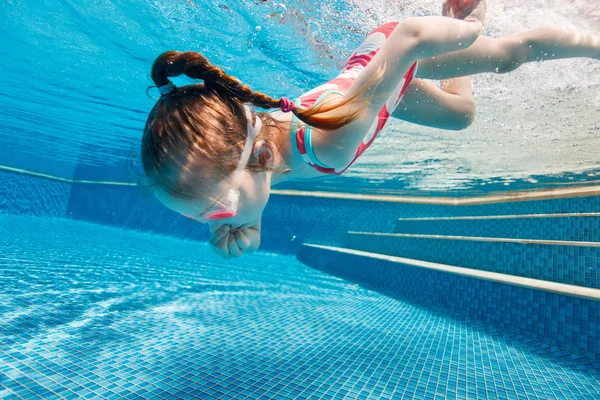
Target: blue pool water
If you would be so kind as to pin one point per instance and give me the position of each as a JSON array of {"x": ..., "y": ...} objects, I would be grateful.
[
  {"x": 104, "y": 293},
  {"x": 90, "y": 311},
  {"x": 74, "y": 76}
]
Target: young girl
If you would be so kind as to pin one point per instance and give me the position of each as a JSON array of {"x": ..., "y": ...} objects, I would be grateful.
[{"x": 212, "y": 158}]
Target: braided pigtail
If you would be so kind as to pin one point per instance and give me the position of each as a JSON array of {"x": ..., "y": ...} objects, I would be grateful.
[
  {"x": 195, "y": 65},
  {"x": 329, "y": 116}
]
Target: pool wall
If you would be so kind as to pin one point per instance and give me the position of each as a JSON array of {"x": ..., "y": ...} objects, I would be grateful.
[
  {"x": 565, "y": 322},
  {"x": 30, "y": 195},
  {"x": 569, "y": 323}
]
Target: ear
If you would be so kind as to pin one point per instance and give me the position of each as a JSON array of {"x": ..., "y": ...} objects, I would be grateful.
[{"x": 262, "y": 153}]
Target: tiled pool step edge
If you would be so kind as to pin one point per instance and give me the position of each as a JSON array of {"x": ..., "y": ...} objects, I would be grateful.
[
  {"x": 513, "y": 216},
  {"x": 561, "y": 288},
  {"x": 560, "y": 226},
  {"x": 482, "y": 239},
  {"x": 568, "y": 262},
  {"x": 560, "y": 315}
]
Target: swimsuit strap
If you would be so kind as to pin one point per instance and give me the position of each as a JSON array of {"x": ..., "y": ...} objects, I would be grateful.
[{"x": 301, "y": 137}]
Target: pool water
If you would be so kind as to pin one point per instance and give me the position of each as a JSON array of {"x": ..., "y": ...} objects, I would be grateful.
[
  {"x": 74, "y": 76},
  {"x": 90, "y": 311}
]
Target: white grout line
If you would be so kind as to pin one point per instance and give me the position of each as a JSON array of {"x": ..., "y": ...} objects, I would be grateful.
[
  {"x": 468, "y": 218},
  {"x": 544, "y": 194},
  {"x": 555, "y": 287},
  {"x": 481, "y": 239}
]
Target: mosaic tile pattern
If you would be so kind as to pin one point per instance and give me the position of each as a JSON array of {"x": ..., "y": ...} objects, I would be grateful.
[
  {"x": 290, "y": 221},
  {"x": 565, "y": 264},
  {"x": 582, "y": 229},
  {"x": 23, "y": 194},
  {"x": 92, "y": 311},
  {"x": 563, "y": 321},
  {"x": 131, "y": 208}
]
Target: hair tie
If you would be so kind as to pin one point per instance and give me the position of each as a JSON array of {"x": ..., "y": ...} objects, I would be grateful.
[
  {"x": 166, "y": 89},
  {"x": 286, "y": 105}
]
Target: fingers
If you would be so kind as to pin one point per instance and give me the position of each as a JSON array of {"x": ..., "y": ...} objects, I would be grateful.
[
  {"x": 242, "y": 239},
  {"x": 230, "y": 243},
  {"x": 234, "y": 249},
  {"x": 238, "y": 243},
  {"x": 219, "y": 241},
  {"x": 219, "y": 234}
]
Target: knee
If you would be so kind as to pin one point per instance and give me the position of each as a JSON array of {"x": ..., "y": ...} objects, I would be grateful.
[
  {"x": 463, "y": 118},
  {"x": 466, "y": 120},
  {"x": 515, "y": 52}
]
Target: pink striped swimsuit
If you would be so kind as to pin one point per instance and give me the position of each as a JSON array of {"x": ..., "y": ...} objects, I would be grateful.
[{"x": 301, "y": 136}]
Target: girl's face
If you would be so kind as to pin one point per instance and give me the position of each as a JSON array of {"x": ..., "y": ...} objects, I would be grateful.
[{"x": 254, "y": 190}]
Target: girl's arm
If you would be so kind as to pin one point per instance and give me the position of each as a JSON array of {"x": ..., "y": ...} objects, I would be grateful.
[{"x": 411, "y": 40}]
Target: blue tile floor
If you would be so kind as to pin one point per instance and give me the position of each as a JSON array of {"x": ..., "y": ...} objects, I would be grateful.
[{"x": 88, "y": 311}]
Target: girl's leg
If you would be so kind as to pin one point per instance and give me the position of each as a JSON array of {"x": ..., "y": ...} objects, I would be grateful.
[{"x": 508, "y": 53}]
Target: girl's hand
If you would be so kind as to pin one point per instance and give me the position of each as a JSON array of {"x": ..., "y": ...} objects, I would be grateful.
[{"x": 232, "y": 243}]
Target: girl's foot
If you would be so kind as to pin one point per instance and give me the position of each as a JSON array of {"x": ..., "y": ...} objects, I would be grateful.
[{"x": 469, "y": 10}]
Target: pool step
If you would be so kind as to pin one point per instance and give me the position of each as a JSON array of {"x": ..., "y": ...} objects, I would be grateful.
[
  {"x": 568, "y": 262},
  {"x": 560, "y": 226},
  {"x": 562, "y": 315},
  {"x": 561, "y": 288}
]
